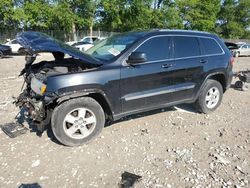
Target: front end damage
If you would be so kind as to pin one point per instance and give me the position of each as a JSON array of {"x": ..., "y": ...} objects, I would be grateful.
[
  {"x": 37, "y": 102},
  {"x": 34, "y": 101},
  {"x": 35, "y": 109}
]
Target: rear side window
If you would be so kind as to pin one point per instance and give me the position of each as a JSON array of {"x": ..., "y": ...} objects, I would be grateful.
[
  {"x": 210, "y": 46},
  {"x": 156, "y": 49},
  {"x": 186, "y": 47}
]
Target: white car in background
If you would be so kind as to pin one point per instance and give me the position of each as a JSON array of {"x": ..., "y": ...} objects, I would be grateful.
[
  {"x": 243, "y": 50},
  {"x": 90, "y": 39},
  {"x": 86, "y": 43},
  {"x": 82, "y": 46},
  {"x": 16, "y": 48},
  {"x": 87, "y": 39}
]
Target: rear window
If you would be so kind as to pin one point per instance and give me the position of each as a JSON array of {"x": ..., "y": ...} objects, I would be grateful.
[
  {"x": 186, "y": 47},
  {"x": 210, "y": 46}
]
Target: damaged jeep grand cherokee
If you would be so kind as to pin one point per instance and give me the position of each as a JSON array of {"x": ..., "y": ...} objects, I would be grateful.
[{"x": 77, "y": 93}]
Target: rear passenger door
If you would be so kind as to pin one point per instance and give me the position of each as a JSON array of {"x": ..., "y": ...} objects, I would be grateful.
[
  {"x": 188, "y": 67},
  {"x": 213, "y": 52}
]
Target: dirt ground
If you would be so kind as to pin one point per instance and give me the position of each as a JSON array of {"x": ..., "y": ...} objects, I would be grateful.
[{"x": 173, "y": 147}]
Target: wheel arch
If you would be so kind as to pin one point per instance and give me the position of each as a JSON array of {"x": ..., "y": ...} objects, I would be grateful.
[
  {"x": 98, "y": 96},
  {"x": 221, "y": 78},
  {"x": 218, "y": 76}
]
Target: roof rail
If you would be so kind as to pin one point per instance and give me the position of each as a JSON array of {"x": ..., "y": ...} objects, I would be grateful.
[{"x": 181, "y": 30}]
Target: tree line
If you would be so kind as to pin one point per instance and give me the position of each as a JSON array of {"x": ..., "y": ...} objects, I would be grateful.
[{"x": 228, "y": 18}]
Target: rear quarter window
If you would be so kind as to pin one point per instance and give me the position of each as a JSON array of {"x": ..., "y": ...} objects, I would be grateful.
[{"x": 210, "y": 46}]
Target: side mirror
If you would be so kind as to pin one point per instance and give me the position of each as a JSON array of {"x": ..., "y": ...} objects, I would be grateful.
[{"x": 137, "y": 57}]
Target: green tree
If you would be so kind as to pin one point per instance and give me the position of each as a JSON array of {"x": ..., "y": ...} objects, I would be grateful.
[
  {"x": 234, "y": 18},
  {"x": 198, "y": 14},
  {"x": 34, "y": 14},
  {"x": 123, "y": 15},
  {"x": 6, "y": 12},
  {"x": 170, "y": 14}
]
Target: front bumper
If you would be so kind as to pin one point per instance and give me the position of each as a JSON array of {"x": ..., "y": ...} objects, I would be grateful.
[{"x": 35, "y": 108}]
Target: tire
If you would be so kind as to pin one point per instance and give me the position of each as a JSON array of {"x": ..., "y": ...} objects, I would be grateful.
[
  {"x": 77, "y": 121},
  {"x": 210, "y": 97},
  {"x": 237, "y": 54},
  {"x": 238, "y": 84}
]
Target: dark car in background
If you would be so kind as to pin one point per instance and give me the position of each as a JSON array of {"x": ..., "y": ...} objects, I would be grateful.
[
  {"x": 4, "y": 50},
  {"x": 124, "y": 74}
]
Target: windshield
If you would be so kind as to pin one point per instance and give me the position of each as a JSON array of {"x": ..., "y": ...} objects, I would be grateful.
[{"x": 110, "y": 48}]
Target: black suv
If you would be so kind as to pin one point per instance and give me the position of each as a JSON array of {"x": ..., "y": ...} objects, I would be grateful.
[{"x": 122, "y": 75}]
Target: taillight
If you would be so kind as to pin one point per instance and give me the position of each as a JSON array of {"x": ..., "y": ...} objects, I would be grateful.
[{"x": 232, "y": 61}]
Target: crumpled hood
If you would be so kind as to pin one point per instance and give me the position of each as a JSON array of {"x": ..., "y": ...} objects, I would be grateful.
[{"x": 39, "y": 42}]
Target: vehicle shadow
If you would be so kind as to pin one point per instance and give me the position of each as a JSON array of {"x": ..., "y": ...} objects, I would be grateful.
[
  {"x": 183, "y": 108},
  {"x": 6, "y": 57},
  {"x": 21, "y": 118}
]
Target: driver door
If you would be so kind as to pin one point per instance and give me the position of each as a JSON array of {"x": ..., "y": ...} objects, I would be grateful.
[{"x": 147, "y": 85}]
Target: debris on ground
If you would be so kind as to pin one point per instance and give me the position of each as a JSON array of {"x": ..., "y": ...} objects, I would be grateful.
[{"x": 129, "y": 179}]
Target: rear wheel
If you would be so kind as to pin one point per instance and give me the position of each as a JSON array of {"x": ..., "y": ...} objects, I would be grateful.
[
  {"x": 210, "y": 97},
  {"x": 77, "y": 121}
]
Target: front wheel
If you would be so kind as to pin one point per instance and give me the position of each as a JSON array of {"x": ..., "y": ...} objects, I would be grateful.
[
  {"x": 77, "y": 121},
  {"x": 210, "y": 97}
]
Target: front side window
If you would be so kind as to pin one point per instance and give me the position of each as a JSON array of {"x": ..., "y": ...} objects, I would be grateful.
[
  {"x": 210, "y": 46},
  {"x": 186, "y": 47},
  {"x": 156, "y": 49}
]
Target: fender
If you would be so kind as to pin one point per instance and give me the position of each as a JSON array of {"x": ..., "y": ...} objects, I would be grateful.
[
  {"x": 205, "y": 80},
  {"x": 107, "y": 107},
  {"x": 80, "y": 93}
]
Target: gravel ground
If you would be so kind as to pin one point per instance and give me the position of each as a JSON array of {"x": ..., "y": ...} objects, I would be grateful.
[{"x": 173, "y": 147}]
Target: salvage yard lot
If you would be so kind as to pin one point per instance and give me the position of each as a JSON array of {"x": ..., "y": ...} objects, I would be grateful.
[{"x": 173, "y": 147}]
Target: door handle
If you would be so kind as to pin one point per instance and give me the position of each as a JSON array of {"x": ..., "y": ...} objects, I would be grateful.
[
  {"x": 203, "y": 61},
  {"x": 165, "y": 66}
]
